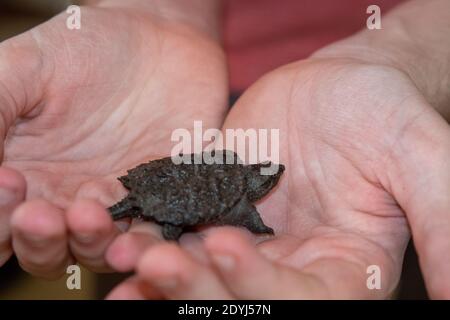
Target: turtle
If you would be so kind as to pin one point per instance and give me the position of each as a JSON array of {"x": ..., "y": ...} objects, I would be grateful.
[{"x": 196, "y": 192}]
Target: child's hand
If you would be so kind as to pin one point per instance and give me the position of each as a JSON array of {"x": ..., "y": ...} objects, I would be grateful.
[
  {"x": 362, "y": 149},
  {"x": 80, "y": 107}
]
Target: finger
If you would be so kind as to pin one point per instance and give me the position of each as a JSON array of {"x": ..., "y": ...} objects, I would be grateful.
[
  {"x": 249, "y": 275},
  {"x": 91, "y": 232},
  {"x": 39, "y": 238},
  {"x": 12, "y": 193},
  {"x": 178, "y": 276},
  {"x": 127, "y": 248},
  {"x": 134, "y": 289},
  {"x": 421, "y": 185},
  {"x": 332, "y": 269}
]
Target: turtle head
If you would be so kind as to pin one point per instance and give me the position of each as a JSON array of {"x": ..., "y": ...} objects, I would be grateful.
[{"x": 261, "y": 178}]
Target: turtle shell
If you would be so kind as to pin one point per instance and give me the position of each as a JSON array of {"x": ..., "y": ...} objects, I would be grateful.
[{"x": 185, "y": 194}]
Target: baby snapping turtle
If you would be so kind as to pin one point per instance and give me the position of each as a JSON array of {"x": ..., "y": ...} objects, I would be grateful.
[{"x": 186, "y": 195}]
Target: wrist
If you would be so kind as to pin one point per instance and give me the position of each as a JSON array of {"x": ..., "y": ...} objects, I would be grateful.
[{"x": 200, "y": 15}]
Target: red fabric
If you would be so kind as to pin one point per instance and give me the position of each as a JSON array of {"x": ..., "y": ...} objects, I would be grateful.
[{"x": 261, "y": 35}]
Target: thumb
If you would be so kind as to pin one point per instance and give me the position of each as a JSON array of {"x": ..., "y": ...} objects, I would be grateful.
[
  {"x": 421, "y": 185},
  {"x": 22, "y": 80}
]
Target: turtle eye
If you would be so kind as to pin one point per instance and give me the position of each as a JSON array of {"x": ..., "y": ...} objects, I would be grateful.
[{"x": 267, "y": 183}]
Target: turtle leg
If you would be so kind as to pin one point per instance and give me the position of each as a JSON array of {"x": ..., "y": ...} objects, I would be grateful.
[
  {"x": 171, "y": 232},
  {"x": 123, "y": 209},
  {"x": 244, "y": 214}
]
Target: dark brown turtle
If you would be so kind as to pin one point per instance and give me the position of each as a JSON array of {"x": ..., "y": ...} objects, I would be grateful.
[{"x": 187, "y": 195}]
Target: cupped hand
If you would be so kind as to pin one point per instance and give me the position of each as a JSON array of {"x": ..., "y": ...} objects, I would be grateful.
[
  {"x": 365, "y": 156},
  {"x": 80, "y": 107}
]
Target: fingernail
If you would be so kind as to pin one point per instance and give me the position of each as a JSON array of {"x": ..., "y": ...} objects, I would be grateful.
[
  {"x": 123, "y": 226},
  {"x": 224, "y": 262},
  {"x": 85, "y": 237},
  {"x": 36, "y": 241},
  {"x": 166, "y": 283}
]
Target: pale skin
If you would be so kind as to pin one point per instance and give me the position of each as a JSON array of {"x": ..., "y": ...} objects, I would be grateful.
[
  {"x": 80, "y": 110},
  {"x": 351, "y": 186},
  {"x": 364, "y": 142},
  {"x": 344, "y": 203}
]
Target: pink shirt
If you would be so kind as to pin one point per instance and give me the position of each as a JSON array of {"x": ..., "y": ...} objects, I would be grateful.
[{"x": 261, "y": 35}]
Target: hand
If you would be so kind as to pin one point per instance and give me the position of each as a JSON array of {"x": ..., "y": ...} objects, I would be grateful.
[
  {"x": 78, "y": 108},
  {"x": 364, "y": 153}
]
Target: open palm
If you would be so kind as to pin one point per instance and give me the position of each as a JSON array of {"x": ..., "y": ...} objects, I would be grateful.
[
  {"x": 362, "y": 148},
  {"x": 79, "y": 107}
]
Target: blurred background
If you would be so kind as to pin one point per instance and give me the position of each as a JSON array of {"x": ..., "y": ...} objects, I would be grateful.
[{"x": 17, "y": 16}]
